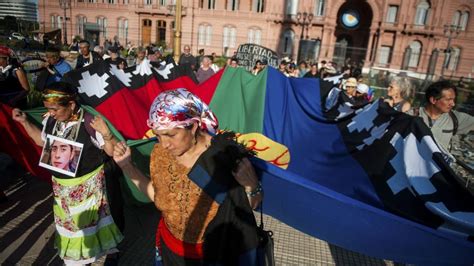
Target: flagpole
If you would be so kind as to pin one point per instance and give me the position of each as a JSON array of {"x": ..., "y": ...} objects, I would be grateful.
[{"x": 177, "y": 32}]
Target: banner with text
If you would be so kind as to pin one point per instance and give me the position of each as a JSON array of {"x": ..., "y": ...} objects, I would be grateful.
[{"x": 249, "y": 53}]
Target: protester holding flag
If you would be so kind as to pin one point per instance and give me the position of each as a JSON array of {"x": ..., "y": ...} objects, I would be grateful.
[
  {"x": 438, "y": 114},
  {"x": 203, "y": 184},
  {"x": 399, "y": 92},
  {"x": 84, "y": 225},
  {"x": 55, "y": 68},
  {"x": 87, "y": 56},
  {"x": 13, "y": 81},
  {"x": 205, "y": 71}
]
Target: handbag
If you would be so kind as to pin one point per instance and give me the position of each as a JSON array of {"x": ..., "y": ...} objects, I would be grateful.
[{"x": 265, "y": 249}]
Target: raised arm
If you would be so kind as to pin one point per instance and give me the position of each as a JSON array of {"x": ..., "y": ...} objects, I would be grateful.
[
  {"x": 33, "y": 131},
  {"x": 123, "y": 157}
]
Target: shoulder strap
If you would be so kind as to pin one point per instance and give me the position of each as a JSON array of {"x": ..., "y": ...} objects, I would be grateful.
[{"x": 455, "y": 122}]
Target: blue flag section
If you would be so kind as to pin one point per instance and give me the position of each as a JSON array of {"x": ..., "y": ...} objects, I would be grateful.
[{"x": 369, "y": 179}]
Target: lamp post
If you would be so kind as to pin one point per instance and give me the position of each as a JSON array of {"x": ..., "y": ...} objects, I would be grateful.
[
  {"x": 177, "y": 32},
  {"x": 65, "y": 4},
  {"x": 450, "y": 31},
  {"x": 304, "y": 19}
]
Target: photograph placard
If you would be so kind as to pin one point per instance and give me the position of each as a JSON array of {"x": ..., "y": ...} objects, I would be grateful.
[{"x": 61, "y": 155}]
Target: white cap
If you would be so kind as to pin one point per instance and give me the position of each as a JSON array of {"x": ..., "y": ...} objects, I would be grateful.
[{"x": 362, "y": 88}]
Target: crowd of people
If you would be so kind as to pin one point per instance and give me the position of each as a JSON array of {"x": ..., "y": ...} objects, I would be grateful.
[{"x": 197, "y": 225}]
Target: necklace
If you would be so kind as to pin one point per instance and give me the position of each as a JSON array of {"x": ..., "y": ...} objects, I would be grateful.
[{"x": 61, "y": 130}]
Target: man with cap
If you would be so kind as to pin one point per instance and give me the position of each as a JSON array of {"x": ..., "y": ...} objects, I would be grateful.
[
  {"x": 55, "y": 68},
  {"x": 156, "y": 55},
  {"x": 115, "y": 59},
  {"x": 87, "y": 56},
  {"x": 361, "y": 95},
  {"x": 14, "y": 85}
]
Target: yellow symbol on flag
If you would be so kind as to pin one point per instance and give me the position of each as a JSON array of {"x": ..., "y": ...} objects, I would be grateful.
[{"x": 266, "y": 149}]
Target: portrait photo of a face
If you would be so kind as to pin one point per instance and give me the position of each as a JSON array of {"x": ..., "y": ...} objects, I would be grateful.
[{"x": 61, "y": 155}]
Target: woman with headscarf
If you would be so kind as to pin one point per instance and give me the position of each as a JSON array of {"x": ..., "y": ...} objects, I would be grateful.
[
  {"x": 85, "y": 229},
  {"x": 399, "y": 92},
  {"x": 203, "y": 184}
]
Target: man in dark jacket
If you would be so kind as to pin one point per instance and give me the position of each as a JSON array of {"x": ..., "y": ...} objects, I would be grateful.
[{"x": 87, "y": 56}]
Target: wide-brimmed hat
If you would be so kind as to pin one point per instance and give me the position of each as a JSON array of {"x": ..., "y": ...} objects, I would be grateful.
[{"x": 351, "y": 82}]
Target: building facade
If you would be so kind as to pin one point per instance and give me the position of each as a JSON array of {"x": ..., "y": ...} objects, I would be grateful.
[
  {"x": 20, "y": 9},
  {"x": 416, "y": 35}
]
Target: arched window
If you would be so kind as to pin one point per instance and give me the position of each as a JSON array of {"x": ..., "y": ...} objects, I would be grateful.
[
  {"x": 257, "y": 6},
  {"x": 291, "y": 7},
  {"x": 454, "y": 58},
  {"x": 123, "y": 29},
  {"x": 456, "y": 18},
  {"x": 422, "y": 13},
  {"x": 464, "y": 20},
  {"x": 415, "y": 54},
  {"x": 59, "y": 22},
  {"x": 80, "y": 22},
  {"x": 229, "y": 37},
  {"x": 102, "y": 21},
  {"x": 204, "y": 34},
  {"x": 319, "y": 6},
  {"x": 254, "y": 35},
  {"x": 287, "y": 42}
]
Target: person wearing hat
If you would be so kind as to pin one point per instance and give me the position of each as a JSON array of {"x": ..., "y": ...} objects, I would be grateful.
[
  {"x": 115, "y": 59},
  {"x": 14, "y": 85},
  {"x": 55, "y": 68},
  {"x": 85, "y": 228},
  {"x": 329, "y": 70},
  {"x": 350, "y": 87},
  {"x": 361, "y": 95},
  {"x": 156, "y": 55},
  {"x": 87, "y": 56}
]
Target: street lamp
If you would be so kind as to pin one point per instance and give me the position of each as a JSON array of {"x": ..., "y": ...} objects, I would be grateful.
[
  {"x": 305, "y": 17},
  {"x": 65, "y": 4},
  {"x": 450, "y": 31}
]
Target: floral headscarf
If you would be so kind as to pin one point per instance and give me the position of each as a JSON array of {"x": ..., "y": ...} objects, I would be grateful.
[{"x": 179, "y": 109}]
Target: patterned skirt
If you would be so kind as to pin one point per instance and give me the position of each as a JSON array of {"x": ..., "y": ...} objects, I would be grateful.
[{"x": 85, "y": 230}]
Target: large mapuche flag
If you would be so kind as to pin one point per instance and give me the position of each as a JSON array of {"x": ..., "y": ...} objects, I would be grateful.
[{"x": 371, "y": 180}]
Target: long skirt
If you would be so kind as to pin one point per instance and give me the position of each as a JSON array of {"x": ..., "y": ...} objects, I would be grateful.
[{"x": 85, "y": 230}]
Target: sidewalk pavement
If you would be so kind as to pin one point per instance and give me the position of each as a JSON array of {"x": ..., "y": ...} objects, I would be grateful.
[{"x": 27, "y": 234}]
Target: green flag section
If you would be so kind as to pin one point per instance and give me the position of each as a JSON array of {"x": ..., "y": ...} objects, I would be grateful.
[{"x": 239, "y": 100}]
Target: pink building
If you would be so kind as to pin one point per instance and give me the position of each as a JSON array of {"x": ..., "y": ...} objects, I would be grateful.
[{"x": 408, "y": 34}]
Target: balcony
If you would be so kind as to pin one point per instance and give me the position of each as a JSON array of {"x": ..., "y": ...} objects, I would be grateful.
[{"x": 426, "y": 30}]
